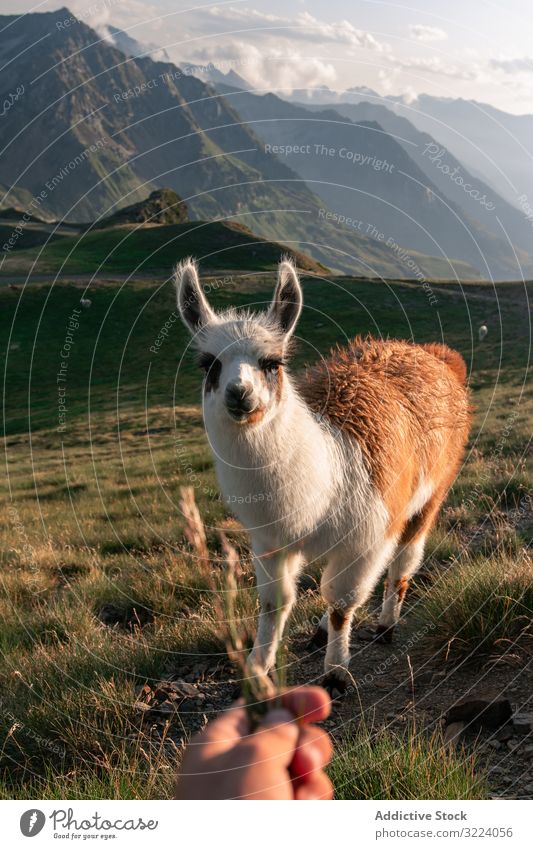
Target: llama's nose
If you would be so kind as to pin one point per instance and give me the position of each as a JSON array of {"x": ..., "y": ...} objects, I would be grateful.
[{"x": 239, "y": 399}]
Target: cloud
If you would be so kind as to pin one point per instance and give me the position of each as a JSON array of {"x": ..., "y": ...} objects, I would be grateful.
[
  {"x": 303, "y": 27},
  {"x": 435, "y": 65},
  {"x": 125, "y": 14},
  {"x": 271, "y": 50},
  {"x": 420, "y": 32},
  {"x": 273, "y": 69},
  {"x": 518, "y": 65}
]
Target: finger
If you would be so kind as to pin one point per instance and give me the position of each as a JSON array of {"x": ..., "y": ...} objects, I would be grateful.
[
  {"x": 308, "y": 704},
  {"x": 313, "y": 751},
  {"x": 317, "y": 787},
  {"x": 276, "y": 738},
  {"x": 222, "y": 733}
]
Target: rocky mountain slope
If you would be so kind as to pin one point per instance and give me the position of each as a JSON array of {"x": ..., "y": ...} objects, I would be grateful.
[{"x": 93, "y": 130}]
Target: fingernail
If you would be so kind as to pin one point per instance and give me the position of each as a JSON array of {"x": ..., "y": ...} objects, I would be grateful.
[{"x": 277, "y": 716}]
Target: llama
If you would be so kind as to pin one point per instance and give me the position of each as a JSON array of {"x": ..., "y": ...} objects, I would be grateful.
[{"x": 349, "y": 463}]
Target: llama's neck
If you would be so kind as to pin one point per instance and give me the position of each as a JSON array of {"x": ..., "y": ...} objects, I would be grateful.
[{"x": 289, "y": 460}]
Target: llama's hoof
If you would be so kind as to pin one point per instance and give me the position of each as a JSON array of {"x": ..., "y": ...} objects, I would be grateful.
[
  {"x": 319, "y": 640},
  {"x": 384, "y": 633},
  {"x": 336, "y": 685}
]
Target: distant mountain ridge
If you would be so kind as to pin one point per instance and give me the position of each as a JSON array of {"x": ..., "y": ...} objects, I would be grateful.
[
  {"x": 361, "y": 169},
  {"x": 452, "y": 178},
  {"x": 495, "y": 146}
]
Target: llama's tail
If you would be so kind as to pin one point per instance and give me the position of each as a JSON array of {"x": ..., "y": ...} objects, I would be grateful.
[{"x": 453, "y": 359}]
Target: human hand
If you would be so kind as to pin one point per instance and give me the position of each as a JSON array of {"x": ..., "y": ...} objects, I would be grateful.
[{"x": 282, "y": 759}]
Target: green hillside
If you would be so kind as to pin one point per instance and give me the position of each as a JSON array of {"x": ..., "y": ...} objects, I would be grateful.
[
  {"x": 71, "y": 249},
  {"x": 130, "y": 248}
]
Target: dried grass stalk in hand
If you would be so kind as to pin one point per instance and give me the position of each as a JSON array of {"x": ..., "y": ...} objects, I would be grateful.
[
  {"x": 194, "y": 526},
  {"x": 257, "y": 688}
]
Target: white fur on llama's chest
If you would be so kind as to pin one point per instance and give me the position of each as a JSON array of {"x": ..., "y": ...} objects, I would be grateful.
[{"x": 297, "y": 483}]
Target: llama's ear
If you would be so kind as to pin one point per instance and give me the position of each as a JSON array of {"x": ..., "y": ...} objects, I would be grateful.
[
  {"x": 192, "y": 303},
  {"x": 287, "y": 302}
]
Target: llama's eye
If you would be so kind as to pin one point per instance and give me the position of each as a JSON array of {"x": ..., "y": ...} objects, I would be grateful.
[
  {"x": 270, "y": 365},
  {"x": 212, "y": 368},
  {"x": 207, "y": 361}
]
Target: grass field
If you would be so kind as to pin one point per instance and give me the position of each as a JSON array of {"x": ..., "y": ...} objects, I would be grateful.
[
  {"x": 99, "y": 593},
  {"x": 129, "y": 248}
]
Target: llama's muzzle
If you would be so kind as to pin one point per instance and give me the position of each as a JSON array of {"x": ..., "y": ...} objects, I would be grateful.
[{"x": 239, "y": 400}]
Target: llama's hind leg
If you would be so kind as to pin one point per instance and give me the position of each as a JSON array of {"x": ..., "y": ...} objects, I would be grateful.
[
  {"x": 403, "y": 566},
  {"x": 319, "y": 639},
  {"x": 346, "y": 586},
  {"x": 276, "y": 585}
]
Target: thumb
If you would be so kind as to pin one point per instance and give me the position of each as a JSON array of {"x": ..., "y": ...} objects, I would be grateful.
[{"x": 276, "y": 738}]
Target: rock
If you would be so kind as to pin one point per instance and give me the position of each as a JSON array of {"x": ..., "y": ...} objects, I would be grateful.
[
  {"x": 454, "y": 732},
  {"x": 162, "y": 206},
  {"x": 527, "y": 751},
  {"x": 174, "y": 697},
  {"x": 183, "y": 688},
  {"x": 142, "y": 706},
  {"x": 165, "y": 709},
  {"x": 161, "y": 692},
  {"x": 505, "y": 733},
  {"x": 484, "y": 712},
  {"x": 189, "y": 706},
  {"x": 422, "y": 680},
  {"x": 129, "y": 617},
  {"x": 365, "y": 635},
  {"x": 439, "y": 675},
  {"x": 494, "y": 744},
  {"x": 523, "y": 722}
]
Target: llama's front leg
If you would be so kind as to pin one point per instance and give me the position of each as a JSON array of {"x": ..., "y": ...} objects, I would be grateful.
[
  {"x": 276, "y": 584},
  {"x": 346, "y": 586}
]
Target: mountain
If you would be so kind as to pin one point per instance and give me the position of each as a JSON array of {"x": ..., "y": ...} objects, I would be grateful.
[
  {"x": 162, "y": 206},
  {"x": 495, "y": 146},
  {"x": 210, "y": 74},
  {"x": 320, "y": 95},
  {"x": 469, "y": 192},
  {"x": 94, "y": 130},
  {"x": 130, "y": 46},
  {"x": 362, "y": 171},
  {"x": 114, "y": 128},
  {"x": 489, "y": 141}
]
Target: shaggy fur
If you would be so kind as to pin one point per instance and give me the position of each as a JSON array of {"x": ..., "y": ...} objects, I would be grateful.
[{"x": 406, "y": 407}]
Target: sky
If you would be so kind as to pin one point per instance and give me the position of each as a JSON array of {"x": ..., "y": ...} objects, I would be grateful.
[{"x": 474, "y": 49}]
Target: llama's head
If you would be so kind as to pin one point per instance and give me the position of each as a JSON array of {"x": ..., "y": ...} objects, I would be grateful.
[{"x": 242, "y": 353}]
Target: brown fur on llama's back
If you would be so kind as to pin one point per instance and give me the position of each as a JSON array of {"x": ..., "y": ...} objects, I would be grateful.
[{"x": 408, "y": 408}]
